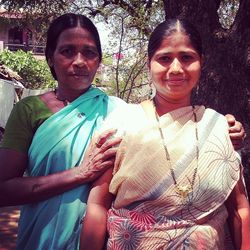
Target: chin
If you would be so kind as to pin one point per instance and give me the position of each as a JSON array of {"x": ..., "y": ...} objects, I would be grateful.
[
  {"x": 84, "y": 87},
  {"x": 79, "y": 87},
  {"x": 81, "y": 84}
]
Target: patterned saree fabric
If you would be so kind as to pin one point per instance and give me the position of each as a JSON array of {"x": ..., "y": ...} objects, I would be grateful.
[
  {"x": 59, "y": 144},
  {"x": 147, "y": 212}
]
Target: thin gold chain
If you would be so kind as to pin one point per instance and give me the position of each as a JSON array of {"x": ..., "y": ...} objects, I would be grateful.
[
  {"x": 64, "y": 101},
  {"x": 178, "y": 188}
]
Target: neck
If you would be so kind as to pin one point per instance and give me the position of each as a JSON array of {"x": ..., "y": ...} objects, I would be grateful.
[
  {"x": 69, "y": 94},
  {"x": 164, "y": 105}
]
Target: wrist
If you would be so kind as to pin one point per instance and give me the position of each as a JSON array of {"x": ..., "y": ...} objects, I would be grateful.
[{"x": 82, "y": 175}]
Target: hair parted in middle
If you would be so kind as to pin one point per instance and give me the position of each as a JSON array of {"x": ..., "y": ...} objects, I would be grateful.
[
  {"x": 169, "y": 27},
  {"x": 68, "y": 21}
]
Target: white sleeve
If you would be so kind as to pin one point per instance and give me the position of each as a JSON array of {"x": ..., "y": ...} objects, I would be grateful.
[{"x": 116, "y": 120}]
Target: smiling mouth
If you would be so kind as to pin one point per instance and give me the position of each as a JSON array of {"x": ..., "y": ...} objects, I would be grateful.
[
  {"x": 79, "y": 75},
  {"x": 175, "y": 81}
]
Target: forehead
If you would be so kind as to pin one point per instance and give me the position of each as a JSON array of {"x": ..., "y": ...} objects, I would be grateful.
[
  {"x": 176, "y": 41},
  {"x": 76, "y": 36}
]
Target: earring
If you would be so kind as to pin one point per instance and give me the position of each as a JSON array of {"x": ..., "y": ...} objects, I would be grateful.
[
  {"x": 152, "y": 91},
  {"x": 197, "y": 90}
]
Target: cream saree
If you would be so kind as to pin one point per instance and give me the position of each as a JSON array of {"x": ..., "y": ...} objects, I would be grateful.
[{"x": 147, "y": 213}]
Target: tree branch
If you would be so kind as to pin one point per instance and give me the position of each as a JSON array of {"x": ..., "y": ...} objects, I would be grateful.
[
  {"x": 135, "y": 66},
  {"x": 118, "y": 59}
]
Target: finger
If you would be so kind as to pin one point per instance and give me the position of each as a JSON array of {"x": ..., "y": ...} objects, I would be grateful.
[
  {"x": 109, "y": 153},
  {"x": 110, "y": 143},
  {"x": 97, "y": 153},
  {"x": 236, "y": 128},
  {"x": 230, "y": 119},
  {"x": 107, "y": 164},
  {"x": 104, "y": 136},
  {"x": 237, "y": 136},
  {"x": 104, "y": 156}
]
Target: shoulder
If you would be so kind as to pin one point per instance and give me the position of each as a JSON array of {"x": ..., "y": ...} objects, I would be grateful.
[
  {"x": 27, "y": 115},
  {"x": 215, "y": 119},
  {"x": 208, "y": 113},
  {"x": 123, "y": 117},
  {"x": 127, "y": 111},
  {"x": 30, "y": 99},
  {"x": 24, "y": 107},
  {"x": 29, "y": 102},
  {"x": 113, "y": 103},
  {"x": 135, "y": 111},
  {"x": 116, "y": 102},
  {"x": 30, "y": 109},
  {"x": 213, "y": 113}
]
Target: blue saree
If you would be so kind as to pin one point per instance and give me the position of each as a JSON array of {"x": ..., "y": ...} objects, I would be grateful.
[{"x": 59, "y": 144}]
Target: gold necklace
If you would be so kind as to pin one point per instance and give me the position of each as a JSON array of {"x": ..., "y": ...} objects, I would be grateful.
[
  {"x": 64, "y": 101},
  {"x": 182, "y": 190}
]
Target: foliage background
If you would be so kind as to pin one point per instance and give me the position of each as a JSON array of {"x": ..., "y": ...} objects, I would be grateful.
[{"x": 35, "y": 73}]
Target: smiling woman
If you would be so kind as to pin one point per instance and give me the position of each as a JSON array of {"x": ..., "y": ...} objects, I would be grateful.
[
  {"x": 177, "y": 179},
  {"x": 175, "y": 62},
  {"x": 175, "y": 69}
]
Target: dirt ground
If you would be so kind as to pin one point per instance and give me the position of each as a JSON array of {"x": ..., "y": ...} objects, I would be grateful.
[{"x": 8, "y": 227}]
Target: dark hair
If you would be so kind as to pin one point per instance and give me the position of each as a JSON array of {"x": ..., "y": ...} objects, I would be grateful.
[
  {"x": 2, "y": 130},
  {"x": 169, "y": 27},
  {"x": 67, "y": 21}
]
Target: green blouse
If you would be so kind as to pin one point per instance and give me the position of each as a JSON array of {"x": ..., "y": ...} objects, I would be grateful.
[{"x": 25, "y": 118}]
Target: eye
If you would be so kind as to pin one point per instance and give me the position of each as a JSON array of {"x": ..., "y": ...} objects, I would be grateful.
[
  {"x": 187, "y": 58},
  {"x": 67, "y": 52},
  {"x": 164, "y": 59},
  {"x": 90, "y": 54}
]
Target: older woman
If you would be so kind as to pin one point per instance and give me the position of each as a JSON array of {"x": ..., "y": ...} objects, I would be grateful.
[{"x": 46, "y": 137}]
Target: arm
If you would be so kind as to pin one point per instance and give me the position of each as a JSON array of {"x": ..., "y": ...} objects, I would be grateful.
[
  {"x": 95, "y": 222},
  {"x": 236, "y": 132},
  {"x": 239, "y": 216},
  {"x": 15, "y": 189}
]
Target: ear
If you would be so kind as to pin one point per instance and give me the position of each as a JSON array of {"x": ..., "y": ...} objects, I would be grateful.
[
  {"x": 99, "y": 65},
  {"x": 202, "y": 60},
  {"x": 148, "y": 64},
  {"x": 50, "y": 62},
  {"x": 149, "y": 73}
]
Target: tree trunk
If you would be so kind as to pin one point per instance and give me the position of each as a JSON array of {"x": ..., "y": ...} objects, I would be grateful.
[{"x": 225, "y": 80}]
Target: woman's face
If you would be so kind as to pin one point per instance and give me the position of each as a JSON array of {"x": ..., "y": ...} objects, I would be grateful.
[
  {"x": 175, "y": 68},
  {"x": 75, "y": 59}
]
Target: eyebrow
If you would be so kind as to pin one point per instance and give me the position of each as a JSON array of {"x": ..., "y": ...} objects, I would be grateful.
[
  {"x": 65, "y": 46},
  {"x": 90, "y": 47},
  {"x": 69, "y": 45},
  {"x": 74, "y": 45},
  {"x": 180, "y": 52}
]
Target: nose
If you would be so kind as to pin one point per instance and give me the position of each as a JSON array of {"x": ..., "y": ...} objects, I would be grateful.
[
  {"x": 176, "y": 67},
  {"x": 79, "y": 60}
]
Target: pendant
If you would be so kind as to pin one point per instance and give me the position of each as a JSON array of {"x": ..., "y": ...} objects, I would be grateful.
[{"x": 183, "y": 191}]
